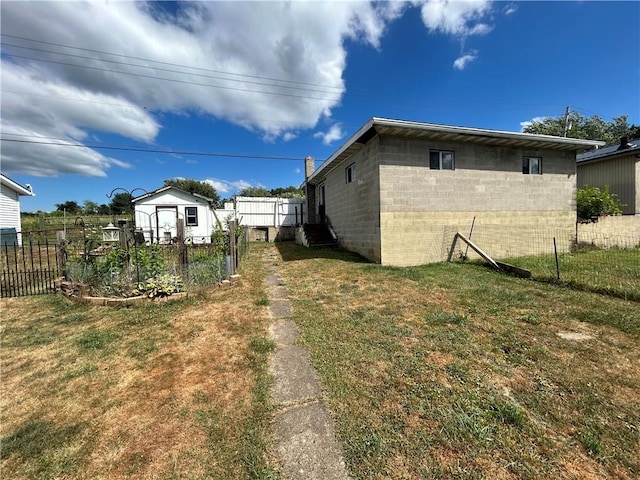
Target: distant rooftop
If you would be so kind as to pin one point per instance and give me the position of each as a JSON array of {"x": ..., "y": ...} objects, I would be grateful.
[{"x": 623, "y": 148}]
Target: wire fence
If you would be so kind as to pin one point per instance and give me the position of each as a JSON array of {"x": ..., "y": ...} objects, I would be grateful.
[
  {"x": 38, "y": 265},
  {"x": 608, "y": 264}
]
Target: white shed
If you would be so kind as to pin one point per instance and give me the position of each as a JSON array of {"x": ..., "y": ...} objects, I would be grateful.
[
  {"x": 10, "y": 193},
  {"x": 157, "y": 214}
]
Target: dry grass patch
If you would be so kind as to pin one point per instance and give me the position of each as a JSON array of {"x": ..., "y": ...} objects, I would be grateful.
[
  {"x": 171, "y": 390},
  {"x": 455, "y": 371}
]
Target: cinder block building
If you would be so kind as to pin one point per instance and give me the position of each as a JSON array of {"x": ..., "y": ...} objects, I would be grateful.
[{"x": 397, "y": 191}]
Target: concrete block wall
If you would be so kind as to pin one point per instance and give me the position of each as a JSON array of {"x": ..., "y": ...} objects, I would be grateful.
[
  {"x": 615, "y": 231},
  {"x": 421, "y": 207},
  {"x": 415, "y": 238},
  {"x": 353, "y": 208}
]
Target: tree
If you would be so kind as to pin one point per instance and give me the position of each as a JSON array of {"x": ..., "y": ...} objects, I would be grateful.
[
  {"x": 194, "y": 186},
  {"x": 593, "y": 202},
  {"x": 120, "y": 204},
  {"x": 89, "y": 207},
  {"x": 254, "y": 192},
  {"x": 588, "y": 128},
  {"x": 287, "y": 192},
  {"x": 103, "y": 209},
  {"x": 70, "y": 206}
]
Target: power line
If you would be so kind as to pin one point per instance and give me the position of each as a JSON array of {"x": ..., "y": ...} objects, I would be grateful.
[
  {"x": 153, "y": 150},
  {"x": 174, "y": 71},
  {"x": 153, "y": 77},
  {"x": 167, "y": 63},
  {"x": 60, "y": 97}
]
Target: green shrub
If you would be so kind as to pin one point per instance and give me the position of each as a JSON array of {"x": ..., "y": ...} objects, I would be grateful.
[{"x": 593, "y": 202}]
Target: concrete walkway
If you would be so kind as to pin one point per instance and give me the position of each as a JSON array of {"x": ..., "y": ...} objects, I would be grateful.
[{"x": 304, "y": 433}]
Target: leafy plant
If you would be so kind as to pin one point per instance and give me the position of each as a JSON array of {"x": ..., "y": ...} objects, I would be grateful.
[
  {"x": 593, "y": 202},
  {"x": 160, "y": 286}
]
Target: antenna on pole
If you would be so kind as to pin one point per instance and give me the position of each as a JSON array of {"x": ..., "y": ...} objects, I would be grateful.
[{"x": 567, "y": 125}]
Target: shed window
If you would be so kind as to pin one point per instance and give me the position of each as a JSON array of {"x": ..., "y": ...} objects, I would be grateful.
[
  {"x": 191, "y": 215},
  {"x": 440, "y": 160},
  {"x": 532, "y": 165},
  {"x": 350, "y": 173}
]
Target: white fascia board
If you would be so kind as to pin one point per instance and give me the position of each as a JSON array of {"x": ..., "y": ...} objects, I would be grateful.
[
  {"x": 342, "y": 148},
  {"x": 16, "y": 187}
]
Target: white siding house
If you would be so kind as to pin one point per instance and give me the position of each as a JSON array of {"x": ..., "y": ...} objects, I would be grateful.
[
  {"x": 157, "y": 214},
  {"x": 10, "y": 193}
]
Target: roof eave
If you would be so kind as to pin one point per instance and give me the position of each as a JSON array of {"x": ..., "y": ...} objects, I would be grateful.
[
  {"x": 495, "y": 137},
  {"x": 16, "y": 187}
]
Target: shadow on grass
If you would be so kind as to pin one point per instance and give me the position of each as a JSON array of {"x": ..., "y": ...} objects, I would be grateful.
[{"x": 291, "y": 252}]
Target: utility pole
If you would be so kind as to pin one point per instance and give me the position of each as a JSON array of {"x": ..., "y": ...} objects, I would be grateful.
[{"x": 566, "y": 120}]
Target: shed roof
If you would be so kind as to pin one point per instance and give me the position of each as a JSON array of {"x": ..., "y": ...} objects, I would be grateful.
[
  {"x": 609, "y": 152},
  {"x": 16, "y": 187},
  {"x": 430, "y": 131},
  {"x": 171, "y": 187}
]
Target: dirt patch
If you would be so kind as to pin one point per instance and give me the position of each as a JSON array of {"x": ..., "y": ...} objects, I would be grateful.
[{"x": 576, "y": 336}]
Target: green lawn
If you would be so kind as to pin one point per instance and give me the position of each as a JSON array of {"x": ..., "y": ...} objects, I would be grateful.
[
  {"x": 613, "y": 271},
  {"x": 457, "y": 371},
  {"x": 164, "y": 390}
]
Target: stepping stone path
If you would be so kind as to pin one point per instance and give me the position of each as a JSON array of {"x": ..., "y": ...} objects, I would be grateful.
[{"x": 304, "y": 434}]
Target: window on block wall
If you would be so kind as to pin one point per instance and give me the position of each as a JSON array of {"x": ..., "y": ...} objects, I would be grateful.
[
  {"x": 350, "y": 173},
  {"x": 441, "y": 160},
  {"x": 532, "y": 165},
  {"x": 191, "y": 216}
]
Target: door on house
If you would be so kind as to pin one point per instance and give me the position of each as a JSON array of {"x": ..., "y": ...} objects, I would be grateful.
[
  {"x": 167, "y": 223},
  {"x": 321, "y": 203}
]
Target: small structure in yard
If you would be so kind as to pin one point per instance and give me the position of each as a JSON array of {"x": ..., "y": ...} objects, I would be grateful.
[
  {"x": 397, "y": 192},
  {"x": 10, "y": 226},
  {"x": 157, "y": 214}
]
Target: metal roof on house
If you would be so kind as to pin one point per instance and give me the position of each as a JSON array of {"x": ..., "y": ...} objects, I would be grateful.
[
  {"x": 429, "y": 131},
  {"x": 610, "y": 151}
]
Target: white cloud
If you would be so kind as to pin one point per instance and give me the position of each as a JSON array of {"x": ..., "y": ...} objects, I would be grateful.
[
  {"x": 297, "y": 170},
  {"x": 301, "y": 43},
  {"x": 135, "y": 68},
  {"x": 510, "y": 9},
  {"x": 454, "y": 17},
  {"x": 527, "y": 123},
  {"x": 288, "y": 136},
  {"x": 334, "y": 133},
  {"x": 462, "y": 61},
  {"x": 224, "y": 187}
]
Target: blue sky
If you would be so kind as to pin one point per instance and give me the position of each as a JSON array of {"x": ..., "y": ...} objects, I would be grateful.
[{"x": 284, "y": 80}]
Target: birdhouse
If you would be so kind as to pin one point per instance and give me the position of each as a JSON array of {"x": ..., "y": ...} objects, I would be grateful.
[{"x": 110, "y": 233}]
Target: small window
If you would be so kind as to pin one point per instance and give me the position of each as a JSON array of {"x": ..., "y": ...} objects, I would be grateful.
[
  {"x": 440, "y": 160},
  {"x": 191, "y": 214},
  {"x": 532, "y": 165},
  {"x": 350, "y": 173}
]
